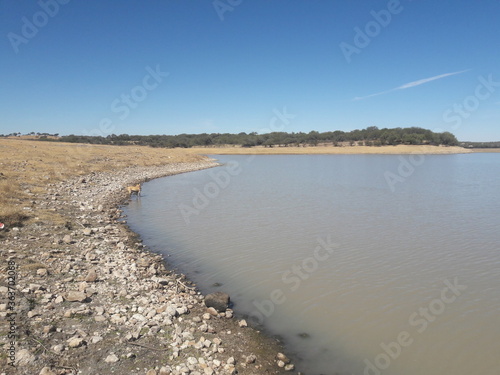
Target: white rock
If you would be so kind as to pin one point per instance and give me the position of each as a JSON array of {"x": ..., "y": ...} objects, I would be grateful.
[
  {"x": 112, "y": 358},
  {"x": 250, "y": 359},
  {"x": 182, "y": 310},
  {"x": 24, "y": 357},
  {"x": 99, "y": 310},
  {"x": 58, "y": 348},
  {"x": 59, "y": 299},
  {"x": 203, "y": 328},
  {"x": 283, "y": 358},
  {"x": 42, "y": 272},
  {"x": 139, "y": 317},
  {"x": 212, "y": 311},
  {"x": 192, "y": 361},
  {"x": 91, "y": 276},
  {"x": 96, "y": 339},
  {"x": 75, "y": 342},
  {"x": 75, "y": 296},
  {"x": 34, "y": 287},
  {"x": 171, "y": 311}
]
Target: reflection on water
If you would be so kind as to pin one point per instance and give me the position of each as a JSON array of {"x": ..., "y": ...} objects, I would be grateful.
[{"x": 356, "y": 276}]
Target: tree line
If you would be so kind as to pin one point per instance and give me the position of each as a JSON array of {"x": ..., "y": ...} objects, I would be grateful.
[
  {"x": 371, "y": 136},
  {"x": 480, "y": 144}
]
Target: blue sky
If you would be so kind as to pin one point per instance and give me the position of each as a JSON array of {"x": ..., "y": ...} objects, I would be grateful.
[{"x": 172, "y": 66}]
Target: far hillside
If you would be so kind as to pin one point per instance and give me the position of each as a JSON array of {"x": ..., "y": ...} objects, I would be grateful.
[
  {"x": 480, "y": 144},
  {"x": 371, "y": 136}
]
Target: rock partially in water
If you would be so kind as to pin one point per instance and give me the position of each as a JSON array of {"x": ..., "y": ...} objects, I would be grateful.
[
  {"x": 283, "y": 358},
  {"x": 218, "y": 300}
]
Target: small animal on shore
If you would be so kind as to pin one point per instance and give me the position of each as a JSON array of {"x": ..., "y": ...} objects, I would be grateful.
[{"x": 135, "y": 189}]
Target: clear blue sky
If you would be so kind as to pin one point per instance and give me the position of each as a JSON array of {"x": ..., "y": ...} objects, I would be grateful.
[{"x": 84, "y": 67}]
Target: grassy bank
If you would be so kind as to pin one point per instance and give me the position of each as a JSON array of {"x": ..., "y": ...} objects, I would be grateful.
[{"x": 28, "y": 167}]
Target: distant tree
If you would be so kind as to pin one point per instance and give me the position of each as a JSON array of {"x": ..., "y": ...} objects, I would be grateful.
[{"x": 448, "y": 139}]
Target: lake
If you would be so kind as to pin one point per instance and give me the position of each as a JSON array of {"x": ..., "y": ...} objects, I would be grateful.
[{"x": 363, "y": 264}]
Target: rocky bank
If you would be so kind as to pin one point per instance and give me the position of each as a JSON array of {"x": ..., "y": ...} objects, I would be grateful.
[{"x": 86, "y": 297}]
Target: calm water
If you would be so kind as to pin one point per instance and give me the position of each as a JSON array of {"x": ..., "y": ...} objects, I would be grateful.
[{"x": 374, "y": 264}]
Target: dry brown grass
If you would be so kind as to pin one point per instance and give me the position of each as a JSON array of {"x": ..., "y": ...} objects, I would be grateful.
[{"x": 29, "y": 166}]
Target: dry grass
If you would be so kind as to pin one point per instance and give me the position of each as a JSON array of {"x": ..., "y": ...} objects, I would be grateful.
[
  {"x": 29, "y": 166},
  {"x": 393, "y": 150}
]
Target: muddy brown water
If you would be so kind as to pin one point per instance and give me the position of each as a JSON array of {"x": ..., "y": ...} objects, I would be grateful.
[{"x": 364, "y": 264}]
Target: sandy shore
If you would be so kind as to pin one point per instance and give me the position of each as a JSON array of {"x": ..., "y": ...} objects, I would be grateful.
[
  {"x": 388, "y": 150},
  {"x": 485, "y": 150},
  {"x": 81, "y": 294}
]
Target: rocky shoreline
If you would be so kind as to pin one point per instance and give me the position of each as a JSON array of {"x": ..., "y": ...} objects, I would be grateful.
[{"x": 86, "y": 297}]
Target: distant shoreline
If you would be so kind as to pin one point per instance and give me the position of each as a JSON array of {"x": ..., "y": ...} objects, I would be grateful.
[
  {"x": 387, "y": 150},
  {"x": 485, "y": 150}
]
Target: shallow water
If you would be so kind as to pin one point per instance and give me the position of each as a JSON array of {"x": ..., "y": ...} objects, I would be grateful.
[{"x": 375, "y": 264}]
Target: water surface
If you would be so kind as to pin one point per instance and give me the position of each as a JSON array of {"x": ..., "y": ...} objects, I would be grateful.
[{"x": 349, "y": 258}]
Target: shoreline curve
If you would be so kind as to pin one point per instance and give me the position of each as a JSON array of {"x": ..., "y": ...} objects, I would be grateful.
[{"x": 96, "y": 300}]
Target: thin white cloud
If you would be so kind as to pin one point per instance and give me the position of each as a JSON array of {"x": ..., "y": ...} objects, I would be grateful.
[{"x": 412, "y": 84}]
